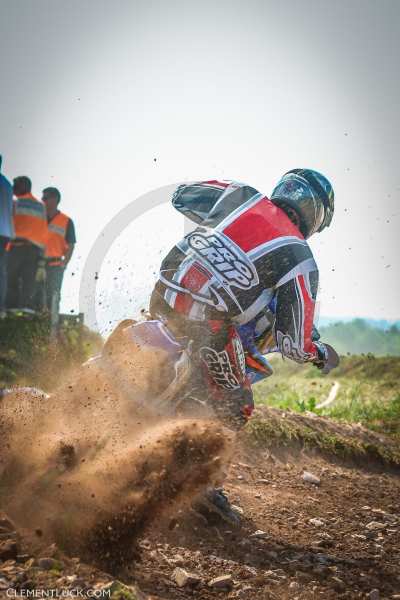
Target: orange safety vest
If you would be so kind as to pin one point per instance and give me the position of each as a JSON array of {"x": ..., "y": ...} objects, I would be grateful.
[
  {"x": 30, "y": 220},
  {"x": 56, "y": 244}
]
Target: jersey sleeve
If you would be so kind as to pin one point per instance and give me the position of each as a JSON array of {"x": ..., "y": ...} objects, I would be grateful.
[
  {"x": 295, "y": 305},
  {"x": 196, "y": 200},
  {"x": 208, "y": 203}
]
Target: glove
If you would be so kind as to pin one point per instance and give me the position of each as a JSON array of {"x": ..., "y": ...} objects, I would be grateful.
[
  {"x": 327, "y": 358},
  {"x": 41, "y": 272}
]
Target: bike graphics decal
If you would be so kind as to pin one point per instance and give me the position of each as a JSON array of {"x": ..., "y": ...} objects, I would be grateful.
[
  {"x": 226, "y": 260},
  {"x": 219, "y": 367}
]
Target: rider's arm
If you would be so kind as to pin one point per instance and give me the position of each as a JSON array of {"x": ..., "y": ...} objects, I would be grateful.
[
  {"x": 210, "y": 202},
  {"x": 295, "y": 304}
]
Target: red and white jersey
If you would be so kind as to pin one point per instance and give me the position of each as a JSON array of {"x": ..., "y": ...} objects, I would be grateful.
[{"x": 244, "y": 256}]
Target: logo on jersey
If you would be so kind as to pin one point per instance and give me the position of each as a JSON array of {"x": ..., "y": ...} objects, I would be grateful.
[
  {"x": 227, "y": 261},
  {"x": 219, "y": 368}
]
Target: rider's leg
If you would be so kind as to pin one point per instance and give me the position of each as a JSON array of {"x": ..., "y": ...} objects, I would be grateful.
[
  {"x": 222, "y": 360},
  {"x": 218, "y": 353}
]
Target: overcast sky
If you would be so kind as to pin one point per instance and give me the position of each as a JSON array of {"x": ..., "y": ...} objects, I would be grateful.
[{"x": 93, "y": 91}]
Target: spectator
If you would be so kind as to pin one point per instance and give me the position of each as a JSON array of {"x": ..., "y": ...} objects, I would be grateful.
[
  {"x": 59, "y": 247},
  {"x": 6, "y": 233},
  {"x": 28, "y": 247}
]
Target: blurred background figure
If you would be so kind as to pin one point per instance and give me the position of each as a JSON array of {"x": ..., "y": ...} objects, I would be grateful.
[
  {"x": 27, "y": 248},
  {"x": 6, "y": 233},
  {"x": 59, "y": 247}
]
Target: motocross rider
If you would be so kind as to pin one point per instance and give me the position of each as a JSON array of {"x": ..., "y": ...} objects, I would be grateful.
[{"x": 247, "y": 259}]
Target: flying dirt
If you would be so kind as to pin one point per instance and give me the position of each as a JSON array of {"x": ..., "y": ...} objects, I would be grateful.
[{"x": 90, "y": 470}]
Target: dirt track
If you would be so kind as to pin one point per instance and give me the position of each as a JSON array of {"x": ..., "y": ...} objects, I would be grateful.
[
  {"x": 352, "y": 550},
  {"x": 342, "y": 558}
]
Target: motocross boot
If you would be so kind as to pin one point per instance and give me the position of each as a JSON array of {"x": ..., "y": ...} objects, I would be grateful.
[{"x": 214, "y": 503}]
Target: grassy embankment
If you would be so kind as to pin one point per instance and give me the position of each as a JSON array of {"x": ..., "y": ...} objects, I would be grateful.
[
  {"x": 364, "y": 418},
  {"x": 368, "y": 392},
  {"x": 28, "y": 355}
]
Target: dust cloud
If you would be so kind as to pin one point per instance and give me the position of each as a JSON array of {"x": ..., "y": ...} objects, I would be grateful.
[{"x": 90, "y": 468}]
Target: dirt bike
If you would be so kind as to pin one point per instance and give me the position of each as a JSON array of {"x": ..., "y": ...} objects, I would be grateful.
[{"x": 154, "y": 366}]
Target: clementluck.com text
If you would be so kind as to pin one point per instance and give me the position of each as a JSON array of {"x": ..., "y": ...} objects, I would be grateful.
[{"x": 58, "y": 593}]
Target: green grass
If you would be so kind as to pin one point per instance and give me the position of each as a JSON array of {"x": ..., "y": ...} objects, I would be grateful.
[
  {"x": 370, "y": 412},
  {"x": 369, "y": 391}
]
